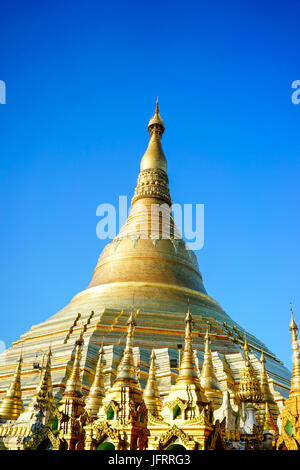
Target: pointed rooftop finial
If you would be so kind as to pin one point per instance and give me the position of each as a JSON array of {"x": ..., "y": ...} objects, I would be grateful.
[
  {"x": 97, "y": 391},
  {"x": 12, "y": 404},
  {"x": 268, "y": 424},
  {"x": 126, "y": 369},
  {"x": 131, "y": 322},
  {"x": 188, "y": 327},
  {"x": 151, "y": 393},
  {"x": 264, "y": 382},
  {"x": 73, "y": 386},
  {"x": 187, "y": 371},
  {"x": 157, "y": 106},
  {"x": 293, "y": 324},
  {"x": 246, "y": 348},
  {"x": 207, "y": 341},
  {"x": 208, "y": 377},
  {"x": 80, "y": 340},
  {"x": 295, "y": 381},
  {"x": 188, "y": 317},
  {"x": 156, "y": 124}
]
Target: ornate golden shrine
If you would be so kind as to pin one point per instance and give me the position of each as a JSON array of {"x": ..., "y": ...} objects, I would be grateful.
[
  {"x": 127, "y": 417},
  {"x": 92, "y": 395}
]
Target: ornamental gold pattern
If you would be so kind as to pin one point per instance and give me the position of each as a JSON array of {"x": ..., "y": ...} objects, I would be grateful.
[
  {"x": 123, "y": 387},
  {"x": 153, "y": 183},
  {"x": 129, "y": 418},
  {"x": 43, "y": 397},
  {"x": 249, "y": 387}
]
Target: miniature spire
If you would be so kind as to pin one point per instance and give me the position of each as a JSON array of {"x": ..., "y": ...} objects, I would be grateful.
[
  {"x": 208, "y": 377},
  {"x": 43, "y": 396},
  {"x": 72, "y": 405},
  {"x": 187, "y": 370},
  {"x": 73, "y": 386},
  {"x": 249, "y": 388},
  {"x": 126, "y": 370},
  {"x": 295, "y": 381},
  {"x": 97, "y": 392},
  {"x": 151, "y": 394},
  {"x": 12, "y": 404},
  {"x": 264, "y": 383},
  {"x": 269, "y": 424}
]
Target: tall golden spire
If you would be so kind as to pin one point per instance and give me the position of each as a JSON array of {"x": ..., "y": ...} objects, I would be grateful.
[
  {"x": 12, "y": 404},
  {"x": 151, "y": 394},
  {"x": 249, "y": 388},
  {"x": 126, "y": 370},
  {"x": 187, "y": 387},
  {"x": 268, "y": 424},
  {"x": 208, "y": 378},
  {"x": 187, "y": 371},
  {"x": 72, "y": 405},
  {"x": 97, "y": 392},
  {"x": 150, "y": 220},
  {"x": 290, "y": 414},
  {"x": 73, "y": 386},
  {"x": 295, "y": 381},
  {"x": 264, "y": 383},
  {"x": 154, "y": 157},
  {"x": 43, "y": 396}
]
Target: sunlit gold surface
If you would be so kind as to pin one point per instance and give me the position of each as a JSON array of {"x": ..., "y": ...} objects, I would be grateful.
[
  {"x": 151, "y": 393},
  {"x": 290, "y": 415},
  {"x": 12, "y": 404},
  {"x": 97, "y": 392},
  {"x": 43, "y": 396},
  {"x": 264, "y": 383},
  {"x": 208, "y": 377},
  {"x": 147, "y": 265},
  {"x": 295, "y": 382}
]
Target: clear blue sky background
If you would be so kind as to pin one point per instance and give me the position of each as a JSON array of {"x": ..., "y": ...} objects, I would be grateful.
[{"x": 82, "y": 78}]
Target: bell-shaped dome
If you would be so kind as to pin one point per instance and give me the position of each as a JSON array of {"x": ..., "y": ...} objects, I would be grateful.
[{"x": 149, "y": 247}]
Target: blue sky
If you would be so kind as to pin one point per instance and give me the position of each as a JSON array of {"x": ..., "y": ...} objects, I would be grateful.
[{"x": 82, "y": 78}]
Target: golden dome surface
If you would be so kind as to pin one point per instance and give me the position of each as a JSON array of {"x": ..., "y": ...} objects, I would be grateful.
[
  {"x": 148, "y": 250},
  {"x": 149, "y": 263}
]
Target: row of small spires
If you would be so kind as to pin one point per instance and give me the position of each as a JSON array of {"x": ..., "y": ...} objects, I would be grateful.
[{"x": 250, "y": 389}]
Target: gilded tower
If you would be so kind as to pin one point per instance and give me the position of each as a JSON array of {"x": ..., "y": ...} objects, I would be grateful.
[
  {"x": 12, "y": 404},
  {"x": 149, "y": 261},
  {"x": 290, "y": 415}
]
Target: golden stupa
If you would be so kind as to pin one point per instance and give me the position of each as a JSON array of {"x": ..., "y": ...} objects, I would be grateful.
[{"x": 160, "y": 274}]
